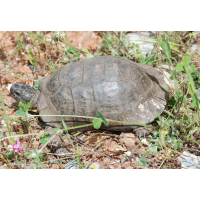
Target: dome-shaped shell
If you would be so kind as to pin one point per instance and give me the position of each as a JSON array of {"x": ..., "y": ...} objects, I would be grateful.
[{"x": 119, "y": 88}]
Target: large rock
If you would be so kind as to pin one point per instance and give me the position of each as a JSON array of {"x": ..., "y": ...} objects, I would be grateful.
[{"x": 140, "y": 38}]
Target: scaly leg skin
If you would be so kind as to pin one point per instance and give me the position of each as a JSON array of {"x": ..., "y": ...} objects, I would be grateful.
[
  {"x": 141, "y": 132},
  {"x": 57, "y": 146}
]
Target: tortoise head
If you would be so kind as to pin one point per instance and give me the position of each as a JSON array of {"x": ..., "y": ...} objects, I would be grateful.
[{"x": 22, "y": 92}]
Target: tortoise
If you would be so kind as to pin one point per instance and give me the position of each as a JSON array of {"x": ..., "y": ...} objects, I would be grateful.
[{"x": 117, "y": 87}]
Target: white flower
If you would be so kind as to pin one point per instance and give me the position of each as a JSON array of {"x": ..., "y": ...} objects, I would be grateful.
[
  {"x": 17, "y": 58},
  {"x": 9, "y": 148},
  {"x": 145, "y": 142},
  {"x": 28, "y": 38},
  {"x": 128, "y": 153},
  {"x": 94, "y": 166},
  {"x": 3, "y": 123},
  {"x": 9, "y": 86},
  {"x": 22, "y": 53}
]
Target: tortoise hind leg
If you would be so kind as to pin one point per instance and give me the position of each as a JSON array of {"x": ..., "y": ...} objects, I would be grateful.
[{"x": 56, "y": 145}]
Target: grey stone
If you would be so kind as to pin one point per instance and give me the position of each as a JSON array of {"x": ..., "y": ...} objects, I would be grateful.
[
  {"x": 73, "y": 164},
  {"x": 189, "y": 161}
]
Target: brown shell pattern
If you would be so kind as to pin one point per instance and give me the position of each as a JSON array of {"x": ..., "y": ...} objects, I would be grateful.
[{"x": 119, "y": 88}]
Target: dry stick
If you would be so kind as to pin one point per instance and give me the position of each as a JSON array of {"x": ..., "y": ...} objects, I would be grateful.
[
  {"x": 10, "y": 104},
  {"x": 94, "y": 149},
  {"x": 161, "y": 164},
  {"x": 185, "y": 35}
]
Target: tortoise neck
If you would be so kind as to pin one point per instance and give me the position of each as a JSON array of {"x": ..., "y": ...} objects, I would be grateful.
[{"x": 35, "y": 99}]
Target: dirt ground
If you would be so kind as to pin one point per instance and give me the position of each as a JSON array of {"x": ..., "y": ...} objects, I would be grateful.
[{"x": 112, "y": 148}]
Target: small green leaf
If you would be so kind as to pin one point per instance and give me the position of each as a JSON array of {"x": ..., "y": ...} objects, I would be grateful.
[
  {"x": 52, "y": 68},
  {"x": 45, "y": 138},
  {"x": 146, "y": 165},
  {"x": 102, "y": 117},
  {"x": 179, "y": 67},
  {"x": 166, "y": 48},
  {"x": 192, "y": 68},
  {"x": 37, "y": 84},
  {"x": 159, "y": 42},
  {"x": 9, "y": 155},
  {"x": 89, "y": 55},
  {"x": 185, "y": 118},
  {"x": 65, "y": 59},
  {"x": 97, "y": 123},
  {"x": 20, "y": 113},
  {"x": 140, "y": 163},
  {"x": 186, "y": 60},
  {"x": 185, "y": 101},
  {"x": 31, "y": 53},
  {"x": 85, "y": 50},
  {"x": 194, "y": 103},
  {"x": 171, "y": 102}
]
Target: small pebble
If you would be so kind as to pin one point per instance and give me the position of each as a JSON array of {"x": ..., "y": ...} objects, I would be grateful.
[{"x": 72, "y": 165}]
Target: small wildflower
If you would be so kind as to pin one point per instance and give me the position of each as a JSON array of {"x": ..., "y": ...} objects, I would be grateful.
[
  {"x": 128, "y": 153},
  {"x": 3, "y": 123},
  {"x": 16, "y": 147},
  {"x": 94, "y": 166},
  {"x": 28, "y": 38},
  {"x": 145, "y": 142},
  {"x": 9, "y": 86},
  {"x": 177, "y": 132},
  {"x": 22, "y": 53},
  {"x": 17, "y": 58},
  {"x": 10, "y": 148}
]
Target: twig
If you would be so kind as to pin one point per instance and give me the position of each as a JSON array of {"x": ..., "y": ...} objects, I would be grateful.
[
  {"x": 10, "y": 105},
  {"x": 161, "y": 164},
  {"x": 185, "y": 35}
]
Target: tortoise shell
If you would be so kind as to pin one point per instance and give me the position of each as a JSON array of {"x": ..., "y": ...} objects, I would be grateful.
[{"x": 118, "y": 88}]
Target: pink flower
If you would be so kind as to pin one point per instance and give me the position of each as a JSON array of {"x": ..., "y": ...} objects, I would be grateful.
[{"x": 16, "y": 147}]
